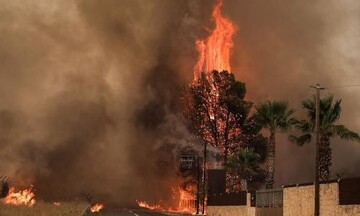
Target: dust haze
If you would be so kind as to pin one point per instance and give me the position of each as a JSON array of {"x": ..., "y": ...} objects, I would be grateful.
[{"x": 89, "y": 89}]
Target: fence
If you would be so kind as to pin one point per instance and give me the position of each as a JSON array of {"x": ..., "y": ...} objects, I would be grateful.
[
  {"x": 349, "y": 191},
  {"x": 269, "y": 198},
  {"x": 227, "y": 199}
]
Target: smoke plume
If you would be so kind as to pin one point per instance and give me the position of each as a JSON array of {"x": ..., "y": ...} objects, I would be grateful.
[{"x": 89, "y": 89}]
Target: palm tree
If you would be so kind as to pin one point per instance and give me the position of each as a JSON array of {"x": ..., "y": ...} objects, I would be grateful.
[
  {"x": 329, "y": 113},
  {"x": 275, "y": 116},
  {"x": 245, "y": 165}
]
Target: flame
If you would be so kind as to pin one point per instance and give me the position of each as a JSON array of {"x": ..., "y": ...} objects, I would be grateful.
[
  {"x": 215, "y": 51},
  {"x": 144, "y": 204},
  {"x": 24, "y": 197},
  {"x": 186, "y": 202},
  {"x": 97, "y": 207},
  {"x": 57, "y": 203}
]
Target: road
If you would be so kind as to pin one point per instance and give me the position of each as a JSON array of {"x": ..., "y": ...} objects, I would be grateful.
[{"x": 129, "y": 212}]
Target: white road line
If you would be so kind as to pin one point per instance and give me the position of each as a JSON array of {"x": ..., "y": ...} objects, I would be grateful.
[{"x": 133, "y": 213}]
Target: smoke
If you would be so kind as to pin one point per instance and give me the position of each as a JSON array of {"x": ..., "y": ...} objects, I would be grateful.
[
  {"x": 283, "y": 47},
  {"x": 89, "y": 90},
  {"x": 88, "y": 95}
]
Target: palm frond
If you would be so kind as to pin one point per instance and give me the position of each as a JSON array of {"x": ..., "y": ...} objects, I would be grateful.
[
  {"x": 274, "y": 115},
  {"x": 300, "y": 140},
  {"x": 344, "y": 133}
]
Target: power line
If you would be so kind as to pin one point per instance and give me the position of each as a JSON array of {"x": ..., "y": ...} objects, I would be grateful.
[{"x": 345, "y": 86}]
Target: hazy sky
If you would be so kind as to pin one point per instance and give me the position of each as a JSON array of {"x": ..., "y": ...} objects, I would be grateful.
[{"x": 88, "y": 88}]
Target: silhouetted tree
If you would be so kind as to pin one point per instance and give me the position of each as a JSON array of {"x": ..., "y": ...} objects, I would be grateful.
[
  {"x": 330, "y": 111},
  {"x": 275, "y": 116}
]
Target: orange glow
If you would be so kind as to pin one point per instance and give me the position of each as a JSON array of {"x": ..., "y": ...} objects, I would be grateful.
[
  {"x": 186, "y": 202},
  {"x": 147, "y": 206},
  {"x": 215, "y": 51},
  {"x": 57, "y": 203},
  {"x": 24, "y": 197},
  {"x": 97, "y": 207}
]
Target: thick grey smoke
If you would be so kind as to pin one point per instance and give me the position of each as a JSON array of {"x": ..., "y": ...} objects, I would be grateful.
[
  {"x": 89, "y": 89},
  {"x": 88, "y": 92}
]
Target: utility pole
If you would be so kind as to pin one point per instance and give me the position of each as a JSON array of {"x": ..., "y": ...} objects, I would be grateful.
[
  {"x": 198, "y": 184},
  {"x": 317, "y": 87},
  {"x": 204, "y": 180}
]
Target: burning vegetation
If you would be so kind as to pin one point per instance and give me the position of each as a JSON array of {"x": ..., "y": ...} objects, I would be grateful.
[
  {"x": 102, "y": 109},
  {"x": 22, "y": 197},
  {"x": 96, "y": 207}
]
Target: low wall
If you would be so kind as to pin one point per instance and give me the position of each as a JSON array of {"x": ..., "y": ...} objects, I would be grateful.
[
  {"x": 241, "y": 210},
  {"x": 299, "y": 201},
  {"x": 269, "y": 211}
]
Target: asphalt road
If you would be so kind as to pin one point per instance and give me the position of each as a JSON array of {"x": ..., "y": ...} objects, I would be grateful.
[{"x": 129, "y": 212}]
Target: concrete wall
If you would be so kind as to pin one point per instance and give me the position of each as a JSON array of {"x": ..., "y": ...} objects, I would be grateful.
[
  {"x": 269, "y": 212},
  {"x": 299, "y": 201},
  {"x": 232, "y": 210}
]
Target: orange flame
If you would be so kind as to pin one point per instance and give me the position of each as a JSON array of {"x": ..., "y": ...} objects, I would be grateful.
[
  {"x": 186, "y": 203},
  {"x": 215, "y": 51},
  {"x": 144, "y": 204},
  {"x": 97, "y": 207},
  {"x": 57, "y": 203},
  {"x": 24, "y": 197}
]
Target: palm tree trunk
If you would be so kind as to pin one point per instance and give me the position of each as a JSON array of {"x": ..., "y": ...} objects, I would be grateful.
[
  {"x": 325, "y": 158},
  {"x": 271, "y": 162}
]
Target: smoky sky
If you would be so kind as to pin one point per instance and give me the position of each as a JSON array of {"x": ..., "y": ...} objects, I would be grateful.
[{"x": 89, "y": 88}]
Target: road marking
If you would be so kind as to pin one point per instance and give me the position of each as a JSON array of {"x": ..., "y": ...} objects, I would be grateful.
[{"x": 133, "y": 213}]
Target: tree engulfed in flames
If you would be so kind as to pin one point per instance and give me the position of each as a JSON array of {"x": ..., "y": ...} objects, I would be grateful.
[
  {"x": 215, "y": 51},
  {"x": 212, "y": 119},
  {"x": 214, "y": 54},
  {"x": 24, "y": 197},
  {"x": 97, "y": 207}
]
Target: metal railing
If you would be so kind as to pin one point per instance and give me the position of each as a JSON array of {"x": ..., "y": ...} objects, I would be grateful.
[{"x": 269, "y": 198}]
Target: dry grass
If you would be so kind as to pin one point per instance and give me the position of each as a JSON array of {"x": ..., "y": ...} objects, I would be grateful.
[{"x": 44, "y": 209}]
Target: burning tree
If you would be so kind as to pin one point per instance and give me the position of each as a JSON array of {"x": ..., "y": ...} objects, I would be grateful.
[
  {"x": 216, "y": 109},
  {"x": 218, "y": 114}
]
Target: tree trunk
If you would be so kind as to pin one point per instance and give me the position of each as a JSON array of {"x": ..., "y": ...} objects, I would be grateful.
[
  {"x": 270, "y": 162},
  {"x": 325, "y": 158},
  {"x": 244, "y": 184}
]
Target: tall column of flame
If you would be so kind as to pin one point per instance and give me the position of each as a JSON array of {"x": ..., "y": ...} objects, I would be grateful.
[
  {"x": 215, "y": 51},
  {"x": 214, "y": 54}
]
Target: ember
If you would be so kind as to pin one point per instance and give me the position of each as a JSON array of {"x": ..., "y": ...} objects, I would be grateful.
[
  {"x": 97, "y": 207},
  {"x": 24, "y": 197}
]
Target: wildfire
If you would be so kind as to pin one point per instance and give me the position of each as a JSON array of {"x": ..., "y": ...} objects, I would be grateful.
[
  {"x": 57, "y": 203},
  {"x": 215, "y": 51},
  {"x": 97, "y": 207},
  {"x": 24, "y": 197},
  {"x": 144, "y": 204},
  {"x": 186, "y": 203}
]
